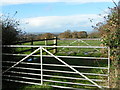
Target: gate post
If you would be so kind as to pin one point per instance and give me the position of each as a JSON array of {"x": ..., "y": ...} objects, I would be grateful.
[
  {"x": 41, "y": 65},
  {"x": 32, "y": 48},
  {"x": 109, "y": 67}
]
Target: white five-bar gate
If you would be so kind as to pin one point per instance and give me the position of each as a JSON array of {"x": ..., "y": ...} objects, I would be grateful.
[{"x": 20, "y": 71}]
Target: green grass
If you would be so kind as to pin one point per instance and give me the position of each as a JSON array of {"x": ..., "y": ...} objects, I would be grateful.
[
  {"x": 40, "y": 87},
  {"x": 79, "y": 51},
  {"x": 20, "y": 86},
  {"x": 79, "y": 43}
]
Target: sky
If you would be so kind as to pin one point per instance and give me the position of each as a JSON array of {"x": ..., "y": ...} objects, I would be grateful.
[{"x": 57, "y": 16}]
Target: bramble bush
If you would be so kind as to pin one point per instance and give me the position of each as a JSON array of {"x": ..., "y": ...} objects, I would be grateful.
[
  {"x": 10, "y": 34},
  {"x": 110, "y": 31}
]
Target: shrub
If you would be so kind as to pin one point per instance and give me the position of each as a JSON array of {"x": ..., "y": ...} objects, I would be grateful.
[
  {"x": 110, "y": 30},
  {"x": 10, "y": 33}
]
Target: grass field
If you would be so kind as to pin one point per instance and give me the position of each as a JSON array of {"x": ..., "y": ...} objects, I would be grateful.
[
  {"x": 79, "y": 42},
  {"x": 68, "y": 43}
]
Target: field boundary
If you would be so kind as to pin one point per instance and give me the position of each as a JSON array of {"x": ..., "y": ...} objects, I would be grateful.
[{"x": 32, "y": 43}]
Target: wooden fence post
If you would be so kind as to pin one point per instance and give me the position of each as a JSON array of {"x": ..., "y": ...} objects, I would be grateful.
[
  {"x": 46, "y": 44},
  {"x": 45, "y": 41},
  {"x": 55, "y": 44}
]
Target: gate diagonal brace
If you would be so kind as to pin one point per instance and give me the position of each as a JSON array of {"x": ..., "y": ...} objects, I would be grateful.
[{"x": 72, "y": 68}]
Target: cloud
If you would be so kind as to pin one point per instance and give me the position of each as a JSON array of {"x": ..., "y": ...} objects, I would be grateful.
[
  {"x": 11, "y": 2},
  {"x": 60, "y": 23}
]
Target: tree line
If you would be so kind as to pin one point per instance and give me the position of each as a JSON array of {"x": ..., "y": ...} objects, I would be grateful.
[{"x": 65, "y": 34}]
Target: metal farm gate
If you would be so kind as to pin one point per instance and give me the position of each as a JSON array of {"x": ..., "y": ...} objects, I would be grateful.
[{"x": 66, "y": 75}]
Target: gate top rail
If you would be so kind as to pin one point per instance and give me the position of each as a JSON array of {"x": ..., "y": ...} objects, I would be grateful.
[{"x": 55, "y": 46}]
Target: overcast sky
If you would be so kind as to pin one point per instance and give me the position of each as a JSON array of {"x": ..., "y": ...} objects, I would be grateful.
[{"x": 57, "y": 15}]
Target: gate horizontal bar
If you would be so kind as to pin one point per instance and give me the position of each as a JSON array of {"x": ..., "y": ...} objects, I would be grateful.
[
  {"x": 98, "y": 80},
  {"x": 24, "y": 68},
  {"x": 21, "y": 77},
  {"x": 54, "y": 46},
  {"x": 56, "y": 65},
  {"x": 77, "y": 57},
  {"x": 22, "y": 81},
  {"x": 66, "y": 87},
  {"x": 57, "y": 56},
  {"x": 74, "y": 72},
  {"x": 60, "y": 71},
  {"x": 75, "y": 66},
  {"x": 74, "y": 78},
  {"x": 71, "y": 83},
  {"x": 24, "y": 73}
]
